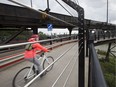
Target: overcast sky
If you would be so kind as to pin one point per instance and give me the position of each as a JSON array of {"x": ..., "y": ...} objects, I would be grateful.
[{"x": 94, "y": 9}]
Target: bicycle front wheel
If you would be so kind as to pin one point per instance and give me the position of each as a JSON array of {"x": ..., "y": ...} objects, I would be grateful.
[
  {"x": 47, "y": 62},
  {"x": 23, "y": 76}
]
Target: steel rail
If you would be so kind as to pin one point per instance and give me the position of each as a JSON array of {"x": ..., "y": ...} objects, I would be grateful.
[
  {"x": 10, "y": 60},
  {"x": 70, "y": 72},
  {"x": 20, "y": 44},
  {"x": 64, "y": 70},
  {"x": 96, "y": 71},
  {"x": 41, "y": 12},
  {"x": 48, "y": 67},
  {"x": 2, "y": 60}
]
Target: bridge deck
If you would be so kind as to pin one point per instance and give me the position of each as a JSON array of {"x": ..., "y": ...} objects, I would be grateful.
[{"x": 47, "y": 81}]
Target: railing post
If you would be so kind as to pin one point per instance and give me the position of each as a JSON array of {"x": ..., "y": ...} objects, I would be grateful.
[
  {"x": 98, "y": 34},
  {"x": 81, "y": 49},
  {"x": 80, "y": 11},
  {"x": 87, "y": 39},
  {"x": 35, "y": 30},
  {"x": 108, "y": 52}
]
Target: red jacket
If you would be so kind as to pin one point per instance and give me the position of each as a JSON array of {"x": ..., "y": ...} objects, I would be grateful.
[{"x": 32, "y": 53}]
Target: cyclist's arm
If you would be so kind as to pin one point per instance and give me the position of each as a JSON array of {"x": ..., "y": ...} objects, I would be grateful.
[{"x": 40, "y": 47}]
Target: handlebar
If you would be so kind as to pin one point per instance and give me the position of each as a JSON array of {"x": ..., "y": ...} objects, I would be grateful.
[{"x": 42, "y": 53}]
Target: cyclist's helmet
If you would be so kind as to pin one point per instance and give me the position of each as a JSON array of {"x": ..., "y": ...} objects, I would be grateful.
[
  {"x": 34, "y": 36},
  {"x": 31, "y": 39}
]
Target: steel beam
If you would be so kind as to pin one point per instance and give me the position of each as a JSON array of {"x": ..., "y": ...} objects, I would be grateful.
[{"x": 80, "y": 11}]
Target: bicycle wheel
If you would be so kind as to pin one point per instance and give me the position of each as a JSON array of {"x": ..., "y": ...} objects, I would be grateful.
[
  {"x": 47, "y": 62},
  {"x": 21, "y": 77}
]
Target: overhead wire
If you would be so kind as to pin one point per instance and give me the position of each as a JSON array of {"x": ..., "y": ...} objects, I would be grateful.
[
  {"x": 63, "y": 7},
  {"x": 74, "y": 9}
]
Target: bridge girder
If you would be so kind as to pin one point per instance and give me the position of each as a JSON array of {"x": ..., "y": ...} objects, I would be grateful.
[{"x": 13, "y": 16}]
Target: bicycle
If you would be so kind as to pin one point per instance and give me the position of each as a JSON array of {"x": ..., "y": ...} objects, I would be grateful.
[{"x": 27, "y": 73}]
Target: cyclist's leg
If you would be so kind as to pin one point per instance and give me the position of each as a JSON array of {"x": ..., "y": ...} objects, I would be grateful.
[{"x": 37, "y": 63}]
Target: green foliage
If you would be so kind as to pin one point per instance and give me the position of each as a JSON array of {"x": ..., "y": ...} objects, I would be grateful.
[
  {"x": 24, "y": 36},
  {"x": 110, "y": 79},
  {"x": 109, "y": 70},
  {"x": 42, "y": 36},
  {"x": 101, "y": 52},
  {"x": 6, "y": 34}
]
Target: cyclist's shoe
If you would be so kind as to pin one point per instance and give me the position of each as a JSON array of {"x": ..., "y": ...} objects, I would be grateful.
[
  {"x": 37, "y": 72},
  {"x": 42, "y": 74}
]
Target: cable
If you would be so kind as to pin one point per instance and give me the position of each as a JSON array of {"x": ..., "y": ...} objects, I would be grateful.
[
  {"x": 68, "y": 11},
  {"x": 64, "y": 7},
  {"x": 75, "y": 9},
  {"x": 70, "y": 72},
  {"x": 80, "y": 45}
]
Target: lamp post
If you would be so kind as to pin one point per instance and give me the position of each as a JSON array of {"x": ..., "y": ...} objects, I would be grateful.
[
  {"x": 47, "y": 3},
  {"x": 31, "y": 3},
  {"x": 107, "y": 13}
]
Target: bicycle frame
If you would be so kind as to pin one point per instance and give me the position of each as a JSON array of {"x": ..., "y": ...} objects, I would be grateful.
[
  {"x": 29, "y": 75},
  {"x": 41, "y": 59}
]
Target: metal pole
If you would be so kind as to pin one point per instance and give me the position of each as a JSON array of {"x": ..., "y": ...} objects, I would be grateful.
[
  {"x": 82, "y": 54},
  {"x": 48, "y": 4},
  {"x": 31, "y": 4},
  {"x": 35, "y": 30},
  {"x": 108, "y": 52},
  {"x": 107, "y": 13},
  {"x": 80, "y": 10},
  {"x": 87, "y": 39}
]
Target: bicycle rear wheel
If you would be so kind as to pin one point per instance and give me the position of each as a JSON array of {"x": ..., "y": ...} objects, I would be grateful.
[
  {"x": 47, "y": 62},
  {"x": 21, "y": 77}
]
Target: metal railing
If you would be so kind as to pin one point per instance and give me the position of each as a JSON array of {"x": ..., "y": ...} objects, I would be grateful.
[
  {"x": 12, "y": 59},
  {"x": 96, "y": 77},
  {"x": 58, "y": 58},
  {"x": 28, "y": 84},
  {"x": 48, "y": 40}
]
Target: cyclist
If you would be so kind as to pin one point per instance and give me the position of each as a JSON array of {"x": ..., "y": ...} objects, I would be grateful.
[{"x": 30, "y": 55}]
